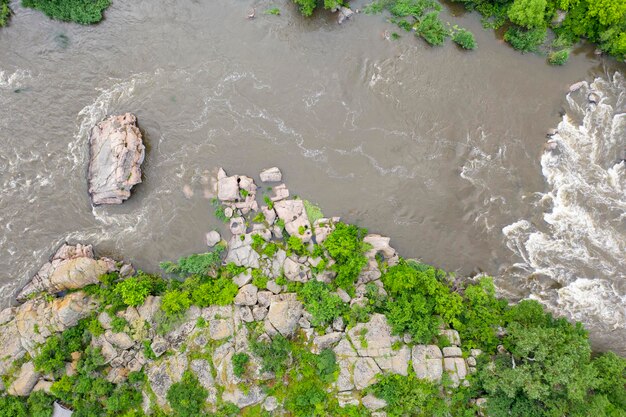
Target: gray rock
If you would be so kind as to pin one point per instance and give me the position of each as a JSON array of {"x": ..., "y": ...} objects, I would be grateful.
[
  {"x": 344, "y": 379},
  {"x": 116, "y": 154},
  {"x": 364, "y": 373},
  {"x": 159, "y": 346},
  {"x": 245, "y": 313},
  {"x": 456, "y": 368},
  {"x": 427, "y": 362},
  {"x": 247, "y": 295},
  {"x": 373, "y": 403},
  {"x": 242, "y": 279},
  {"x": 240, "y": 252},
  {"x": 120, "y": 340},
  {"x": 202, "y": 369},
  {"x": 228, "y": 189},
  {"x": 452, "y": 352},
  {"x": 25, "y": 381},
  {"x": 345, "y": 297},
  {"x": 264, "y": 298},
  {"x": 294, "y": 215},
  {"x": 284, "y": 313},
  {"x": 325, "y": 341},
  {"x": 344, "y": 14},
  {"x": 280, "y": 192},
  {"x": 254, "y": 395},
  {"x": 295, "y": 271},
  {"x": 259, "y": 313},
  {"x": 274, "y": 287},
  {"x": 452, "y": 336},
  {"x": 338, "y": 324},
  {"x": 271, "y": 175},
  {"x": 270, "y": 404},
  {"x": 237, "y": 225},
  {"x": 43, "y": 385},
  {"x": 149, "y": 308},
  {"x": 475, "y": 352},
  {"x": 72, "y": 267},
  {"x": 269, "y": 213},
  {"x": 213, "y": 238}
]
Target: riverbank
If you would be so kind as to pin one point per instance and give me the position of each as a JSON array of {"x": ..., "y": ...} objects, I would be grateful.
[{"x": 293, "y": 314}]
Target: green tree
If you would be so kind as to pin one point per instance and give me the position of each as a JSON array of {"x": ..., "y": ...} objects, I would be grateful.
[
  {"x": 187, "y": 397},
  {"x": 528, "y": 13}
]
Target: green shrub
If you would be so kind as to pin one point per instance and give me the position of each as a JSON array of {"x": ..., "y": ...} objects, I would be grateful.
[
  {"x": 482, "y": 315},
  {"x": 274, "y": 355},
  {"x": 11, "y": 406},
  {"x": 80, "y": 11},
  {"x": 313, "y": 212},
  {"x": 559, "y": 57},
  {"x": 409, "y": 396},
  {"x": 52, "y": 356},
  {"x": 187, "y": 397},
  {"x": 525, "y": 40},
  {"x": 528, "y": 13},
  {"x": 134, "y": 290},
  {"x": 5, "y": 12},
  {"x": 464, "y": 38},
  {"x": 197, "y": 264},
  {"x": 240, "y": 361},
  {"x": 275, "y": 11},
  {"x": 345, "y": 245},
  {"x": 204, "y": 291},
  {"x": 39, "y": 404},
  {"x": 259, "y": 280},
  {"x": 432, "y": 29},
  {"x": 306, "y": 398},
  {"x": 175, "y": 302},
  {"x": 306, "y": 6},
  {"x": 296, "y": 246},
  {"x": 323, "y": 305},
  {"x": 123, "y": 398},
  {"x": 118, "y": 324}
]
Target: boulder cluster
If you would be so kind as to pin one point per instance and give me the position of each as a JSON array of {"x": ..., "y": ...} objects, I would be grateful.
[{"x": 363, "y": 351}]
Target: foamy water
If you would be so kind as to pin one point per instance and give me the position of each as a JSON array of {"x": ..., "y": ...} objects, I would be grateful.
[{"x": 575, "y": 258}]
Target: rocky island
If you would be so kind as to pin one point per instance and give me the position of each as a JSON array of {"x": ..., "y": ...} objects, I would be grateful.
[{"x": 294, "y": 314}]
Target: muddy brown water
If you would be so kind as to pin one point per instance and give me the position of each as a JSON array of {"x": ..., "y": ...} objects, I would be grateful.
[{"x": 440, "y": 149}]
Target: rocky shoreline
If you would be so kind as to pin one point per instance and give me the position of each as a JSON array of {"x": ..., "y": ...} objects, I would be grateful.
[{"x": 277, "y": 256}]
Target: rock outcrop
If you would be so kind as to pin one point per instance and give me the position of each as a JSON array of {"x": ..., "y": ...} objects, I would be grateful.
[{"x": 116, "y": 154}]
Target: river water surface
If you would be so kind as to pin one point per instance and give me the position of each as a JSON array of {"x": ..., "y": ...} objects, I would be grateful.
[{"x": 441, "y": 149}]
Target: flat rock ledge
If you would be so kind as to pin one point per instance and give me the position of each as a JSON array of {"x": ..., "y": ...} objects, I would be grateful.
[
  {"x": 205, "y": 340},
  {"x": 116, "y": 154}
]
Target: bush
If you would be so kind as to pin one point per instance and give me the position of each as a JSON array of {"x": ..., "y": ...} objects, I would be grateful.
[
  {"x": 313, "y": 212},
  {"x": 80, "y": 11},
  {"x": 134, "y": 290},
  {"x": 323, "y": 305},
  {"x": 432, "y": 29},
  {"x": 5, "y": 12},
  {"x": 274, "y": 355},
  {"x": 240, "y": 361},
  {"x": 481, "y": 316},
  {"x": 559, "y": 57},
  {"x": 409, "y": 396},
  {"x": 12, "y": 407},
  {"x": 345, "y": 245},
  {"x": 295, "y": 245},
  {"x": 203, "y": 291},
  {"x": 40, "y": 404},
  {"x": 203, "y": 264},
  {"x": 187, "y": 397},
  {"x": 464, "y": 38},
  {"x": 525, "y": 40},
  {"x": 175, "y": 302}
]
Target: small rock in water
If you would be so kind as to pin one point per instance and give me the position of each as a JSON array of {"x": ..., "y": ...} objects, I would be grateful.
[
  {"x": 345, "y": 13},
  {"x": 551, "y": 132},
  {"x": 271, "y": 175},
  {"x": 213, "y": 238}
]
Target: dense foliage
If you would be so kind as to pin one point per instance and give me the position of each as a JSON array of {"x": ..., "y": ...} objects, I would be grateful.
[
  {"x": 345, "y": 245},
  {"x": 5, "y": 12},
  {"x": 600, "y": 21},
  {"x": 79, "y": 11},
  {"x": 187, "y": 396}
]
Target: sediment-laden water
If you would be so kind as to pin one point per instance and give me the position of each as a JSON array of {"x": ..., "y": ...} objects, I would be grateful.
[{"x": 441, "y": 149}]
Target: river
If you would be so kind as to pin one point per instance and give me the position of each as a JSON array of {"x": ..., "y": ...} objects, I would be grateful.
[{"x": 440, "y": 149}]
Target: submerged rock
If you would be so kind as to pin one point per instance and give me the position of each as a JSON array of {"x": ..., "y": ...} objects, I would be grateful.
[
  {"x": 116, "y": 154},
  {"x": 271, "y": 175}
]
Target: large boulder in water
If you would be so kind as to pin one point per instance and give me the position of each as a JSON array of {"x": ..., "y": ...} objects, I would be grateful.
[{"x": 116, "y": 154}]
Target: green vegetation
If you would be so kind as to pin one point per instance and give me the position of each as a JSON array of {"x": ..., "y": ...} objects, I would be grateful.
[
  {"x": 464, "y": 38},
  {"x": 559, "y": 57},
  {"x": 275, "y": 11},
  {"x": 80, "y": 11},
  {"x": 196, "y": 264},
  {"x": 5, "y": 12},
  {"x": 240, "y": 361},
  {"x": 602, "y": 22},
  {"x": 187, "y": 396},
  {"x": 308, "y": 6},
  {"x": 432, "y": 29},
  {"x": 313, "y": 212},
  {"x": 323, "y": 305},
  {"x": 345, "y": 245}
]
